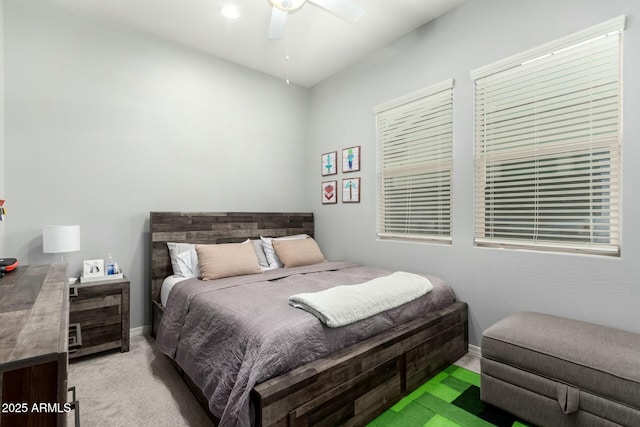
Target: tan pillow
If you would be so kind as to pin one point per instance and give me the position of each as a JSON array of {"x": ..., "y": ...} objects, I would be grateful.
[
  {"x": 226, "y": 260},
  {"x": 295, "y": 253}
]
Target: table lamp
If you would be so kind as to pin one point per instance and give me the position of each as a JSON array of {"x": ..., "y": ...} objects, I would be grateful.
[{"x": 61, "y": 239}]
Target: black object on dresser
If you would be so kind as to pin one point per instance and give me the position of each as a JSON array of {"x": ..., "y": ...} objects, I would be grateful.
[
  {"x": 101, "y": 309},
  {"x": 34, "y": 320}
]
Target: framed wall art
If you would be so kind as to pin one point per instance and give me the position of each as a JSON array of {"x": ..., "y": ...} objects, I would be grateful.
[
  {"x": 329, "y": 192},
  {"x": 351, "y": 159},
  {"x": 330, "y": 163},
  {"x": 351, "y": 190}
]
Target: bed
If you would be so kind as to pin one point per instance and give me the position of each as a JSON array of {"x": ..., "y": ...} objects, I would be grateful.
[{"x": 351, "y": 385}]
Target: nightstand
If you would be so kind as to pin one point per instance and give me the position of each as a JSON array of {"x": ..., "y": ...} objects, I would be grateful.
[{"x": 102, "y": 311}]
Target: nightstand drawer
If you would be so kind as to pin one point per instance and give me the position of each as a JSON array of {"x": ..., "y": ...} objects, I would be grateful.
[
  {"x": 102, "y": 335},
  {"x": 85, "y": 301},
  {"x": 111, "y": 316}
]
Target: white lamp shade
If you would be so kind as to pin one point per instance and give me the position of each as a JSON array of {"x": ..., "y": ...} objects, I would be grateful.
[{"x": 60, "y": 238}]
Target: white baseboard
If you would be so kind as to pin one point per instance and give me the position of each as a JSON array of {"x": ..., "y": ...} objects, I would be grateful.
[
  {"x": 475, "y": 350},
  {"x": 141, "y": 330}
]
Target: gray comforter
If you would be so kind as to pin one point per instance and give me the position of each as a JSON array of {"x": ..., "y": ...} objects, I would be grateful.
[{"x": 231, "y": 334}]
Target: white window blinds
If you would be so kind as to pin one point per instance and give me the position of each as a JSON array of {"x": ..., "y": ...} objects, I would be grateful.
[
  {"x": 547, "y": 145},
  {"x": 415, "y": 138}
]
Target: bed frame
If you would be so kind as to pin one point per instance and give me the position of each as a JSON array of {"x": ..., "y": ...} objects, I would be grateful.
[{"x": 350, "y": 387}]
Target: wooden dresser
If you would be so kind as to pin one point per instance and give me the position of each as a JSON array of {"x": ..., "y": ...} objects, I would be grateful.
[
  {"x": 101, "y": 309},
  {"x": 34, "y": 323}
]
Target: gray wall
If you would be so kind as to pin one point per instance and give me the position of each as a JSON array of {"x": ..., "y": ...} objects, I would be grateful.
[
  {"x": 494, "y": 282},
  {"x": 2, "y": 173},
  {"x": 104, "y": 124}
]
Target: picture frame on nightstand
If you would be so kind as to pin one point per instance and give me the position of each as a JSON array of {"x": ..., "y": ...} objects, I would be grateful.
[{"x": 93, "y": 268}]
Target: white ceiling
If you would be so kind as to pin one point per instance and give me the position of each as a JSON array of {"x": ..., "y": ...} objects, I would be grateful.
[{"x": 319, "y": 43}]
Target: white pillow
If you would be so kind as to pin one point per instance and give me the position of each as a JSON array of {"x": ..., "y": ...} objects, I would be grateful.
[
  {"x": 262, "y": 258},
  {"x": 176, "y": 249},
  {"x": 267, "y": 246},
  {"x": 188, "y": 264}
]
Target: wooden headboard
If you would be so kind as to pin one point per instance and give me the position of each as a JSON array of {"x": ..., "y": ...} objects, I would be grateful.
[{"x": 215, "y": 227}]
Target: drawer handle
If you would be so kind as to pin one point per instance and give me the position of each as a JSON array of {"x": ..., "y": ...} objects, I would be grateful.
[
  {"x": 75, "y": 405},
  {"x": 73, "y": 291},
  {"x": 75, "y": 337}
]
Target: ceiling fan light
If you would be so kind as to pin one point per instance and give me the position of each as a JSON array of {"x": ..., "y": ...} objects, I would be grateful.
[
  {"x": 287, "y": 5},
  {"x": 230, "y": 11}
]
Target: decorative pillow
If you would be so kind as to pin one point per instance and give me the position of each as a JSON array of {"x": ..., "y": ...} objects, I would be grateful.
[
  {"x": 295, "y": 253},
  {"x": 226, "y": 260},
  {"x": 176, "y": 249},
  {"x": 272, "y": 258}
]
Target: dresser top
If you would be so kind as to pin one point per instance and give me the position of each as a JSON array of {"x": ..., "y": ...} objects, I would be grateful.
[{"x": 34, "y": 314}]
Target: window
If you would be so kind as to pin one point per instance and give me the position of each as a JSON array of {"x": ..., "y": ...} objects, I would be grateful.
[
  {"x": 547, "y": 146},
  {"x": 415, "y": 141}
]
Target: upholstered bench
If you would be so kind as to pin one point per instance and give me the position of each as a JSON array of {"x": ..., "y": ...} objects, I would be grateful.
[{"x": 553, "y": 371}]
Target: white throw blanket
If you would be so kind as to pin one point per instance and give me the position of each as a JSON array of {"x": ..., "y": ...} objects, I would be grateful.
[{"x": 343, "y": 305}]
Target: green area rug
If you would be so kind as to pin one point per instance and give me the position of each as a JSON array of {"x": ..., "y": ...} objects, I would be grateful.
[{"x": 450, "y": 399}]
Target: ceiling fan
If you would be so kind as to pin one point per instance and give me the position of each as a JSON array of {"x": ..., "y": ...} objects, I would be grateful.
[{"x": 281, "y": 8}]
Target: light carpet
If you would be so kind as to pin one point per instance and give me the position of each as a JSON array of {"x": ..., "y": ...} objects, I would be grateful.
[{"x": 138, "y": 388}]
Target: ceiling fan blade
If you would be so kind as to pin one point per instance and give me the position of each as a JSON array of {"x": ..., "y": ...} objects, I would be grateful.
[
  {"x": 345, "y": 9},
  {"x": 278, "y": 24}
]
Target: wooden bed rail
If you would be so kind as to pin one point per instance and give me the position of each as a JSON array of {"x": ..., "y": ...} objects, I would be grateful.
[{"x": 358, "y": 383}]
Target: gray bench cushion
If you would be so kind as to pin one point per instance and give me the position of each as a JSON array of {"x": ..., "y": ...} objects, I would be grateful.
[{"x": 589, "y": 357}]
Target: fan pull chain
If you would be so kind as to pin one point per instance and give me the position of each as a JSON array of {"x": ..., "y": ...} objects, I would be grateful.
[{"x": 287, "y": 58}]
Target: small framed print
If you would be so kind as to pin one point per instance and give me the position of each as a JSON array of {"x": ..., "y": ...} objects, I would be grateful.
[
  {"x": 330, "y": 163},
  {"x": 351, "y": 159},
  {"x": 93, "y": 268},
  {"x": 329, "y": 192},
  {"x": 351, "y": 190}
]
